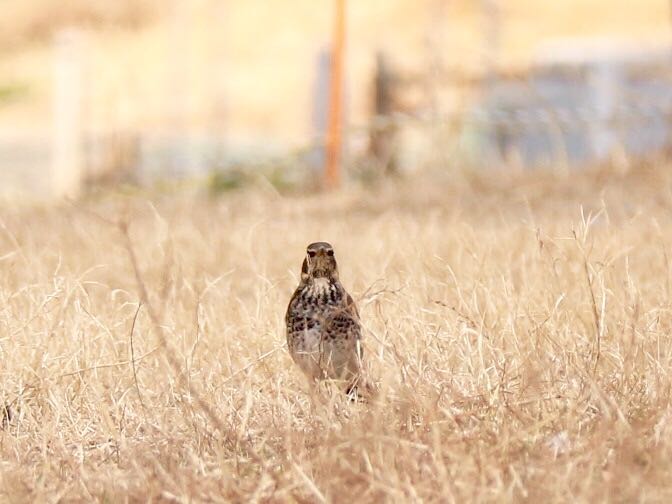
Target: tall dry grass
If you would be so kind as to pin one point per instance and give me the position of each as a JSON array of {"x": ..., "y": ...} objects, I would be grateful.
[{"x": 519, "y": 328}]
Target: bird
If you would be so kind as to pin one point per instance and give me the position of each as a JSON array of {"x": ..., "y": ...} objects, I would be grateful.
[{"x": 324, "y": 331}]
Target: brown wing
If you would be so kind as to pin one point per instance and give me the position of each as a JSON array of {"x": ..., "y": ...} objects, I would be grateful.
[
  {"x": 355, "y": 329},
  {"x": 351, "y": 307},
  {"x": 355, "y": 335}
]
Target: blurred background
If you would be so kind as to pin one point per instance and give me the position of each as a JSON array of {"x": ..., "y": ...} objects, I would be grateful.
[{"x": 217, "y": 93}]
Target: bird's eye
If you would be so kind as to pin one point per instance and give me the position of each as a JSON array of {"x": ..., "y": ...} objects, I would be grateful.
[
  {"x": 312, "y": 253},
  {"x": 330, "y": 253}
]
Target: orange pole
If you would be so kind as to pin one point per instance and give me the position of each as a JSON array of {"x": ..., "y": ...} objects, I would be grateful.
[{"x": 334, "y": 139}]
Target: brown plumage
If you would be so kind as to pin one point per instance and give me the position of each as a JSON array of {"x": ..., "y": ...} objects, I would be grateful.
[{"x": 323, "y": 329}]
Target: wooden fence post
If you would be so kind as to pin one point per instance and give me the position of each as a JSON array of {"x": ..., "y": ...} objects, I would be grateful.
[
  {"x": 67, "y": 164},
  {"x": 334, "y": 132},
  {"x": 382, "y": 136}
]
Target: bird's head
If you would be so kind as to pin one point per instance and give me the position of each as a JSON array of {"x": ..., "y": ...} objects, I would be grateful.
[{"x": 319, "y": 262}]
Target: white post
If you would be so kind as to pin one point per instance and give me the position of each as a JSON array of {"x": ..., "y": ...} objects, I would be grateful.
[{"x": 67, "y": 169}]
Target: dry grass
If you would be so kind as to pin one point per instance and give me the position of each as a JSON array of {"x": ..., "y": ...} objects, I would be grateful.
[{"x": 522, "y": 345}]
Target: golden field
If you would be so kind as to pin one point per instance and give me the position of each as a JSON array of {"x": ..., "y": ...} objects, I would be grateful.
[{"x": 518, "y": 327}]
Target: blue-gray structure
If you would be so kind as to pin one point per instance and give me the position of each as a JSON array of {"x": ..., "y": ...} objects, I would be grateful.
[{"x": 577, "y": 106}]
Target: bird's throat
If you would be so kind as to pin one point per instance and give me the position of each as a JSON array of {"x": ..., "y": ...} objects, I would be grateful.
[{"x": 321, "y": 285}]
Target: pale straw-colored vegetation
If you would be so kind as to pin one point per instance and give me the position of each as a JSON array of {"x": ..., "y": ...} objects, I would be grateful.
[{"x": 518, "y": 328}]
